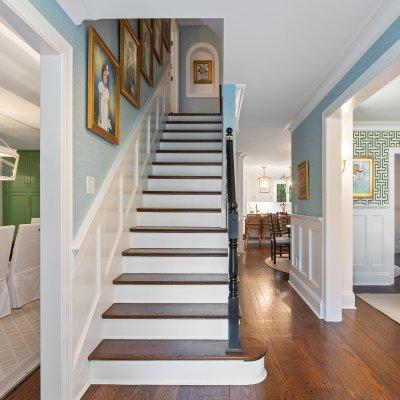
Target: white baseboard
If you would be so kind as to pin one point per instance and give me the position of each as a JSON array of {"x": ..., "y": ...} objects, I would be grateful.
[
  {"x": 373, "y": 279},
  {"x": 348, "y": 301}
]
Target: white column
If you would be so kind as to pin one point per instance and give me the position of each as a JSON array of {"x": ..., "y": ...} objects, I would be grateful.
[{"x": 240, "y": 157}]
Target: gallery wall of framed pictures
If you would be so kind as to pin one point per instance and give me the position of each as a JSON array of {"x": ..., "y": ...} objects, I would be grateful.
[{"x": 108, "y": 77}]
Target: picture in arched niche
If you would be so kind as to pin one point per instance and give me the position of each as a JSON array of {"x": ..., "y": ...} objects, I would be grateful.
[{"x": 202, "y": 71}]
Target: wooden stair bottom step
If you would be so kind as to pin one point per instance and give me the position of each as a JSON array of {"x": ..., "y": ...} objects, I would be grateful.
[
  {"x": 175, "y": 252},
  {"x": 142, "y": 350},
  {"x": 176, "y": 229},
  {"x": 167, "y": 311},
  {"x": 171, "y": 279}
]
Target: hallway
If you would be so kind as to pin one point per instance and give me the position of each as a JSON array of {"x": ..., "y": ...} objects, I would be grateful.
[{"x": 307, "y": 358}]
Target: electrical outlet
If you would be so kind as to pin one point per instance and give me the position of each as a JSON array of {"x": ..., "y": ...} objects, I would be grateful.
[{"x": 90, "y": 185}]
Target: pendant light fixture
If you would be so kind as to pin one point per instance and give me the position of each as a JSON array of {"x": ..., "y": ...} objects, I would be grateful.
[
  {"x": 287, "y": 180},
  {"x": 264, "y": 183},
  {"x": 8, "y": 162}
]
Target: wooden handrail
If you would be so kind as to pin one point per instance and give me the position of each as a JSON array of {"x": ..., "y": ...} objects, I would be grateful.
[{"x": 233, "y": 234}]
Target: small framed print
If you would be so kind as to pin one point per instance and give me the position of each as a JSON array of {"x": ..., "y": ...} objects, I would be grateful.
[
  {"x": 103, "y": 89},
  {"x": 303, "y": 180},
  {"x": 202, "y": 71},
  {"x": 363, "y": 178}
]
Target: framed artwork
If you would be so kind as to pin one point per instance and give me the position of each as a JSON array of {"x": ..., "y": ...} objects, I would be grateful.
[
  {"x": 303, "y": 180},
  {"x": 129, "y": 54},
  {"x": 363, "y": 178},
  {"x": 166, "y": 33},
  {"x": 103, "y": 89},
  {"x": 202, "y": 71},
  {"x": 146, "y": 41},
  {"x": 157, "y": 40}
]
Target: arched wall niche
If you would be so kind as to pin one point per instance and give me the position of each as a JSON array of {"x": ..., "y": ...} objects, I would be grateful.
[{"x": 202, "y": 51}]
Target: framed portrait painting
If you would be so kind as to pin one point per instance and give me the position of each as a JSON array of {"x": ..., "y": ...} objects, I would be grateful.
[
  {"x": 363, "y": 178},
  {"x": 166, "y": 33},
  {"x": 303, "y": 181},
  {"x": 129, "y": 54},
  {"x": 146, "y": 41},
  {"x": 157, "y": 40},
  {"x": 202, "y": 71},
  {"x": 103, "y": 89}
]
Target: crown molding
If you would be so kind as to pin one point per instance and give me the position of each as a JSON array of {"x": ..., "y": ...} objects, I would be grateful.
[
  {"x": 76, "y": 10},
  {"x": 378, "y": 24},
  {"x": 376, "y": 125}
]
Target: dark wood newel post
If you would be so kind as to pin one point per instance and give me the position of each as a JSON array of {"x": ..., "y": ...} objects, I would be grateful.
[{"x": 233, "y": 234}]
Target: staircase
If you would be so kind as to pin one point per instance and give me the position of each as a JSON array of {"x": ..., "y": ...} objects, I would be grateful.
[{"x": 169, "y": 320}]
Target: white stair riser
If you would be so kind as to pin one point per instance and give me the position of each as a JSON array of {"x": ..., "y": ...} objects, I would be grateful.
[
  {"x": 198, "y": 127},
  {"x": 192, "y": 135},
  {"x": 179, "y": 240},
  {"x": 216, "y": 118},
  {"x": 181, "y": 201},
  {"x": 190, "y": 146},
  {"x": 176, "y": 265},
  {"x": 185, "y": 184},
  {"x": 189, "y": 157},
  {"x": 179, "y": 372},
  {"x": 196, "y": 170},
  {"x": 194, "y": 329},
  {"x": 170, "y": 293},
  {"x": 203, "y": 219}
]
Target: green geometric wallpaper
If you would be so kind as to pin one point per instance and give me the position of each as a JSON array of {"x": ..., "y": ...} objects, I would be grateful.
[{"x": 376, "y": 144}]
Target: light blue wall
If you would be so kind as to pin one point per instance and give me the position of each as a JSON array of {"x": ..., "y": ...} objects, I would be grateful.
[
  {"x": 307, "y": 138},
  {"x": 188, "y": 36},
  {"x": 93, "y": 156}
]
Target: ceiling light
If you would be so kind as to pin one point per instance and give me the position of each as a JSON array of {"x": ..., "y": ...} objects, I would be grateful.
[{"x": 264, "y": 183}]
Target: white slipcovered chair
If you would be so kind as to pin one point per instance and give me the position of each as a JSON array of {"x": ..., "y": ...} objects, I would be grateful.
[
  {"x": 24, "y": 277},
  {"x": 35, "y": 220},
  {"x": 6, "y": 238}
]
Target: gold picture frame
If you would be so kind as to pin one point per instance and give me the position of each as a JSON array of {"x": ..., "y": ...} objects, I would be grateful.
[
  {"x": 146, "y": 41},
  {"x": 103, "y": 105},
  {"x": 129, "y": 54},
  {"x": 166, "y": 33},
  {"x": 202, "y": 71},
  {"x": 158, "y": 39},
  {"x": 363, "y": 177},
  {"x": 303, "y": 180}
]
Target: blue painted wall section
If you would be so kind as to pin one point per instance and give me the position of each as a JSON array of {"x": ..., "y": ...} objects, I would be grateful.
[
  {"x": 188, "y": 36},
  {"x": 307, "y": 138},
  {"x": 228, "y": 107},
  {"x": 92, "y": 155}
]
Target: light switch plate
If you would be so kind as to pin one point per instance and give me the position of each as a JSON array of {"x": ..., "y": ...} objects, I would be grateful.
[{"x": 90, "y": 185}]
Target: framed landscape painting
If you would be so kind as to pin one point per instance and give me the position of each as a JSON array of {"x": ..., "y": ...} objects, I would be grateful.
[
  {"x": 146, "y": 41},
  {"x": 129, "y": 54},
  {"x": 166, "y": 33},
  {"x": 202, "y": 71},
  {"x": 363, "y": 178},
  {"x": 103, "y": 89},
  {"x": 157, "y": 40},
  {"x": 303, "y": 180}
]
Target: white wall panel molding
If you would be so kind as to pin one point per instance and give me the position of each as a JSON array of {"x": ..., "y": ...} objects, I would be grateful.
[
  {"x": 105, "y": 234},
  {"x": 306, "y": 259},
  {"x": 373, "y": 253}
]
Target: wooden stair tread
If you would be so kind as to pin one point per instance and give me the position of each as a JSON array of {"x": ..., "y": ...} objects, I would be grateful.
[
  {"x": 177, "y": 229},
  {"x": 178, "y": 210},
  {"x": 170, "y": 279},
  {"x": 189, "y": 151},
  {"x": 191, "y": 114},
  {"x": 181, "y": 192},
  {"x": 167, "y": 252},
  {"x": 166, "y": 311},
  {"x": 190, "y": 140},
  {"x": 193, "y": 122},
  {"x": 197, "y": 163},
  {"x": 140, "y": 350},
  {"x": 184, "y": 177},
  {"x": 193, "y": 130}
]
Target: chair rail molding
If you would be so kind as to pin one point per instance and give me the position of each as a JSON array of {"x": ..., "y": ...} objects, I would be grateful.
[{"x": 306, "y": 261}]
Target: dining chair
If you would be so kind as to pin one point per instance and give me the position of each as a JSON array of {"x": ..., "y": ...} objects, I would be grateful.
[
  {"x": 24, "y": 277},
  {"x": 35, "y": 220},
  {"x": 6, "y": 238},
  {"x": 279, "y": 243},
  {"x": 253, "y": 223}
]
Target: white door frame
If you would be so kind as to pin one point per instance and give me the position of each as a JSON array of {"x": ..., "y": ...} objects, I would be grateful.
[
  {"x": 175, "y": 66},
  {"x": 392, "y": 197},
  {"x": 56, "y": 200},
  {"x": 381, "y": 72}
]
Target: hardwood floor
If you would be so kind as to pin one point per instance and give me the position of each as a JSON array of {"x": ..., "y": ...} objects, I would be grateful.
[
  {"x": 307, "y": 358},
  {"x": 28, "y": 389}
]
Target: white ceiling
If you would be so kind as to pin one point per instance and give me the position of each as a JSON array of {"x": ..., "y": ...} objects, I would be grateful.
[
  {"x": 383, "y": 106},
  {"x": 284, "y": 51},
  {"x": 19, "y": 92}
]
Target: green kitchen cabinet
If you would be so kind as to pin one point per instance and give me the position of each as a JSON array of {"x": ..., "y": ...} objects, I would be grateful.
[{"x": 21, "y": 198}]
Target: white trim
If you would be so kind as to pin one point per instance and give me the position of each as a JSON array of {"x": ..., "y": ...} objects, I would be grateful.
[
  {"x": 240, "y": 88},
  {"x": 348, "y": 301},
  {"x": 87, "y": 222},
  {"x": 376, "y": 125},
  {"x": 307, "y": 217},
  {"x": 57, "y": 224},
  {"x": 76, "y": 10},
  {"x": 367, "y": 37}
]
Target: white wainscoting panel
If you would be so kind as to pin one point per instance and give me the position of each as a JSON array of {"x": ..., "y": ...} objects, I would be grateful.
[
  {"x": 103, "y": 237},
  {"x": 373, "y": 247},
  {"x": 306, "y": 259}
]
